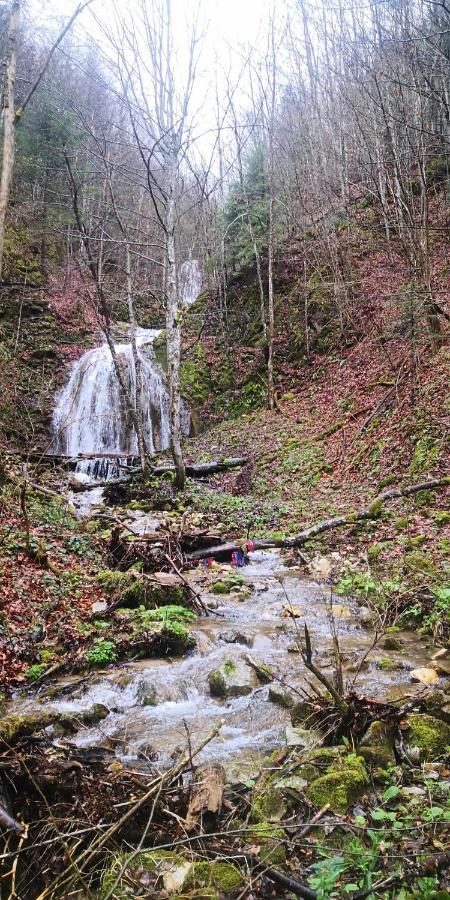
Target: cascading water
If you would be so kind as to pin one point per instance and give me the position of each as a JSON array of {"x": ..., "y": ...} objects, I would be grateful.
[
  {"x": 91, "y": 416},
  {"x": 190, "y": 281}
]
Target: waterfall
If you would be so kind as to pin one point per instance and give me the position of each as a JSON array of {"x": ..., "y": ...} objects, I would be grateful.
[
  {"x": 190, "y": 281},
  {"x": 91, "y": 417}
]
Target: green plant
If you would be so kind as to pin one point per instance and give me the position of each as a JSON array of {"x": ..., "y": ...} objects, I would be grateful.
[{"x": 101, "y": 652}]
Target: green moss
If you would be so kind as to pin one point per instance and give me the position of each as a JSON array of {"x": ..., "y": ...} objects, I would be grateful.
[
  {"x": 229, "y": 667},
  {"x": 131, "y": 589},
  {"x": 418, "y": 562},
  {"x": 101, "y": 652},
  {"x": 388, "y": 665},
  {"x": 269, "y": 806},
  {"x": 35, "y": 672},
  {"x": 441, "y": 518},
  {"x": 270, "y": 840},
  {"x": 220, "y": 587},
  {"x": 377, "y": 745},
  {"x": 221, "y": 875},
  {"x": 340, "y": 788},
  {"x": 429, "y": 734},
  {"x": 151, "y": 861},
  {"x": 415, "y": 541}
]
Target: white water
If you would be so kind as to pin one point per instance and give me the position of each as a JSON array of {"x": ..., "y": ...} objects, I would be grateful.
[
  {"x": 91, "y": 416},
  {"x": 190, "y": 281}
]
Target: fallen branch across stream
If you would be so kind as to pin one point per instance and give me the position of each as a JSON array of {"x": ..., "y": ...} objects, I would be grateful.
[{"x": 369, "y": 512}]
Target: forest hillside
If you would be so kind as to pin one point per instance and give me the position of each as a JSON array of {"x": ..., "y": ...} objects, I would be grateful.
[{"x": 225, "y": 530}]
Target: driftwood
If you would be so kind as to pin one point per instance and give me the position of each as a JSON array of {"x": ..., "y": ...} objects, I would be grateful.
[
  {"x": 206, "y": 801},
  {"x": 369, "y": 512}
]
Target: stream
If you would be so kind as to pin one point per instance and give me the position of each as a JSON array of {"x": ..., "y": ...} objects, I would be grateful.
[{"x": 153, "y": 703}]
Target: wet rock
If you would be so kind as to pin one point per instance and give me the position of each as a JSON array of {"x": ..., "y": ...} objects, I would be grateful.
[
  {"x": 341, "y": 787},
  {"x": 263, "y": 671},
  {"x": 424, "y": 675},
  {"x": 392, "y": 643},
  {"x": 14, "y": 727},
  {"x": 437, "y": 703},
  {"x": 147, "y": 694},
  {"x": 280, "y": 696},
  {"x": 290, "y": 610},
  {"x": 367, "y": 617},
  {"x": 304, "y": 738},
  {"x": 202, "y": 879},
  {"x": 426, "y": 736},
  {"x": 442, "y": 653},
  {"x": 377, "y": 745},
  {"x": 320, "y": 566},
  {"x": 441, "y": 666},
  {"x": 232, "y": 679},
  {"x": 159, "y": 589},
  {"x": 341, "y": 612},
  {"x": 70, "y": 722},
  {"x": 387, "y": 664},
  {"x": 234, "y": 637}
]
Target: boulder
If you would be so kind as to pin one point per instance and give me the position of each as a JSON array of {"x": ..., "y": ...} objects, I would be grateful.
[
  {"x": 424, "y": 675},
  {"x": 233, "y": 678},
  {"x": 280, "y": 696},
  {"x": 341, "y": 786},
  {"x": 204, "y": 879},
  {"x": 426, "y": 737},
  {"x": 234, "y": 637},
  {"x": 269, "y": 805},
  {"x": 377, "y": 745}
]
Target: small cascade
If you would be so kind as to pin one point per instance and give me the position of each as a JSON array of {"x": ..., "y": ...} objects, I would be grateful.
[
  {"x": 190, "y": 281},
  {"x": 91, "y": 417}
]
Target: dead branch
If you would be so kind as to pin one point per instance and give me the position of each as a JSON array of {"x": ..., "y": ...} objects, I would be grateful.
[{"x": 369, "y": 512}]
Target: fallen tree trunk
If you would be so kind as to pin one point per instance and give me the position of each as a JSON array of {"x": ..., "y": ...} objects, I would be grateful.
[
  {"x": 194, "y": 470},
  {"x": 206, "y": 801},
  {"x": 198, "y": 470},
  {"x": 369, "y": 512}
]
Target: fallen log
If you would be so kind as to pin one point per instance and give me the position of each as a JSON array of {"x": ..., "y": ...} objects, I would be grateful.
[
  {"x": 206, "y": 801},
  {"x": 370, "y": 512},
  {"x": 199, "y": 470},
  {"x": 193, "y": 470}
]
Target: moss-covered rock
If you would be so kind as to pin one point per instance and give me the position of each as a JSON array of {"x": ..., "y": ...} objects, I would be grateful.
[
  {"x": 14, "y": 727},
  {"x": 70, "y": 722},
  {"x": 131, "y": 589},
  {"x": 233, "y": 678},
  {"x": 269, "y": 805},
  {"x": 341, "y": 787},
  {"x": 377, "y": 745},
  {"x": 221, "y": 875},
  {"x": 270, "y": 841},
  {"x": 427, "y": 736},
  {"x": 171, "y": 867}
]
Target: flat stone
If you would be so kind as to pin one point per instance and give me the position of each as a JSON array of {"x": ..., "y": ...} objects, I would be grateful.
[
  {"x": 234, "y": 637},
  {"x": 232, "y": 679},
  {"x": 305, "y": 738},
  {"x": 100, "y": 606},
  {"x": 442, "y": 666},
  {"x": 341, "y": 612},
  {"x": 442, "y": 653},
  {"x": 424, "y": 675}
]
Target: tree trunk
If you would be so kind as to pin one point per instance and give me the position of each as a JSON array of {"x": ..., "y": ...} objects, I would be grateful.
[
  {"x": 137, "y": 367},
  {"x": 8, "y": 121},
  {"x": 173, "y": 332}
]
